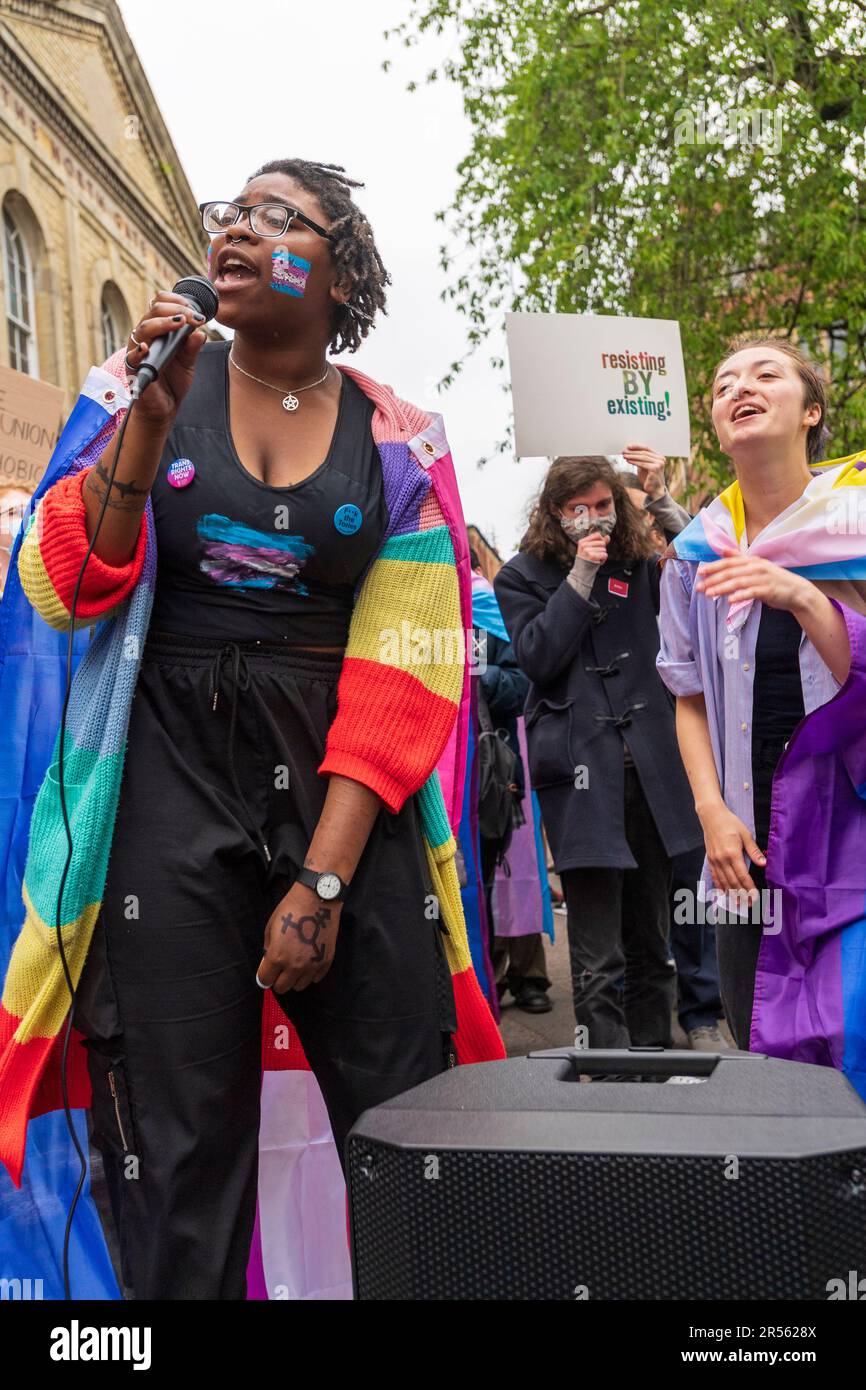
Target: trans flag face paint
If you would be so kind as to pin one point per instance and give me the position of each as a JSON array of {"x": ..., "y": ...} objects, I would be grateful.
[{"x": 289, "y": 273}]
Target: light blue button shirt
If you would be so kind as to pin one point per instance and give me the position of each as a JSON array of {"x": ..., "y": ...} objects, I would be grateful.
[{"x": 698, "y": 655}]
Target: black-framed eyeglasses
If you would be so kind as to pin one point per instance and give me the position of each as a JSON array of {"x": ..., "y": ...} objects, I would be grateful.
[{"x": 265, "y": 219}]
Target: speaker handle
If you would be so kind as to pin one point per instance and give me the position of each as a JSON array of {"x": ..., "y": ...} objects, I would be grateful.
[{"x": 643, "y": 1061}]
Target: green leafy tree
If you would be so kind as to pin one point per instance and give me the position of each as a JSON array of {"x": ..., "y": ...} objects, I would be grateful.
[{"x": 696, "y": 161}]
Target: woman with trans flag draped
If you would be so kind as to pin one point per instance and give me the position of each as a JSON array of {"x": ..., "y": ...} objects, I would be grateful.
[{"x": 764, "y": 646}]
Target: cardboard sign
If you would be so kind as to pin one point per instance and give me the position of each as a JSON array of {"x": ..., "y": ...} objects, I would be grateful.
[
  {"x": 590, "y": 384},
  {"x": 30, "y": 423}
]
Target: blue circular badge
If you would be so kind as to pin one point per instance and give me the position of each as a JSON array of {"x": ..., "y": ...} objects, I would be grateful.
[{"x": 347, "y": 519}]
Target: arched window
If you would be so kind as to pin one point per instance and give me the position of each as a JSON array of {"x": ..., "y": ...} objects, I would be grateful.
[
  {"x": 113, "y": 318},
  {"x": 20, "y": 321}
]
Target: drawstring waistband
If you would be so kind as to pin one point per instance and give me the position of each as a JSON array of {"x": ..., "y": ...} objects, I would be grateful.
[
  {"x": 240, "y": 675},
  {"x": 239, "y": 661}
]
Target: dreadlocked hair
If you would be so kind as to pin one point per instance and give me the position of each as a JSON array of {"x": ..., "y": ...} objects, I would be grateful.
[{"x": 353, "y": 249}]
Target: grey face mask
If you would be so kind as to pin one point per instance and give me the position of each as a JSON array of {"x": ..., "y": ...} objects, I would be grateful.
[{"x": 576, "y": 527}]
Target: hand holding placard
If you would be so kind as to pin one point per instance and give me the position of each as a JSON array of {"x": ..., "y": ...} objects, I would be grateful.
[{"x": 649, "y": 466}]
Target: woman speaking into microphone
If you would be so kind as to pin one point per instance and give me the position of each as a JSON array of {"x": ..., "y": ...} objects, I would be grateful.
[{"x": 280, "y": 823}]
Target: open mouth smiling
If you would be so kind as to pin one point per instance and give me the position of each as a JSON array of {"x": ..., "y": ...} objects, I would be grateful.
[{"x": 745, "y": 412}]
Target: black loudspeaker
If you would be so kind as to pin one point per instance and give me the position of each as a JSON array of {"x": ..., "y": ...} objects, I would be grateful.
[{"x": 514, "y": 1180}]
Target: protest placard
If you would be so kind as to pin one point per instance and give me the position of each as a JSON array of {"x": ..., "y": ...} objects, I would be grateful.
[
  {"x": 30, "y": 419},
  {"x": 592, "y": 383}
]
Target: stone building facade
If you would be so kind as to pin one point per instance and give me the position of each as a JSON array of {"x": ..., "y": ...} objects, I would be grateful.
[{"x": 97, "y": 213}]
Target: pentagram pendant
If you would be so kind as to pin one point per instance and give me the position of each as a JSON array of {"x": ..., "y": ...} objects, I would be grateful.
[{"x": 290, "y": 402}]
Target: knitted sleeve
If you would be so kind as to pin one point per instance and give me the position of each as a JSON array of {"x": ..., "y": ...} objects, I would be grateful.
[
  {"x": 56, "y": 542},
  {"x": 402, "y": 675},
  {"x": 51, "y": 554}
]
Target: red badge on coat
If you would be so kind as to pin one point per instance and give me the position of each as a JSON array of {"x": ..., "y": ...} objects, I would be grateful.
[{"x": 618, "y": 587}]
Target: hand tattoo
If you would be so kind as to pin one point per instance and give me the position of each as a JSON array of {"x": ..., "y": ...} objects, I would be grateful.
[{"x": 319, "y": 920}]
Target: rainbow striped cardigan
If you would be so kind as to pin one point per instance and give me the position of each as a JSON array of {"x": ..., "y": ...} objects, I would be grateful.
[{"x": 401, "y": 720}]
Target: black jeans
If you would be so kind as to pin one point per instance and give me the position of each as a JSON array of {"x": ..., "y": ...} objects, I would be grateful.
[
  {"x": 618, "y": 920},
  {"x": 694, "y": 949},
  {"x": 168, "y": 999},
  {"x": 738, "y": 943}
]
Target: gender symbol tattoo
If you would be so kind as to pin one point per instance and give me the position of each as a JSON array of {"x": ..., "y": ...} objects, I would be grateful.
[{"x": 319, "y": 920}]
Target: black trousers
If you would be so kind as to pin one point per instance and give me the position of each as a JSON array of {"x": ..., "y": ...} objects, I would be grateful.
[
  {"x": 618, "y": 921},
  {"x": 738, "y": 943},
  {"x": 168, "y": 999},
  {"x": 694, "y": 949}
]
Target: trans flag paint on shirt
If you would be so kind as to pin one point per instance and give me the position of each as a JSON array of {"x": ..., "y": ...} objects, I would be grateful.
[{"x": 243, "y": 558}]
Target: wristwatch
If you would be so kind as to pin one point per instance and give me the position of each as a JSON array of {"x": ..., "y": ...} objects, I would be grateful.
[{"x": 328, "y": 886}]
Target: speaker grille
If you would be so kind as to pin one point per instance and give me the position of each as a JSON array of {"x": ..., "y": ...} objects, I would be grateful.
[{"x": 517, "y": 1225}]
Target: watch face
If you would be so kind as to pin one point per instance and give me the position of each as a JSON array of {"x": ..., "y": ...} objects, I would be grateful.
[{"x": 328, "y": 886}]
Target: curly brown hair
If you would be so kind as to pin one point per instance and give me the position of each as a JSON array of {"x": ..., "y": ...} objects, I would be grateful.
[{"x": 570, "y": 477}]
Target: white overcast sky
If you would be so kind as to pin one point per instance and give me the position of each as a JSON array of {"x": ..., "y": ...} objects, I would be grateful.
[{"x": 270, "y": 79}]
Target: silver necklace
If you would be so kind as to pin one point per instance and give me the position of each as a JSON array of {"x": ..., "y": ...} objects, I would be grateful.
[{"x": 290, "y": 399}]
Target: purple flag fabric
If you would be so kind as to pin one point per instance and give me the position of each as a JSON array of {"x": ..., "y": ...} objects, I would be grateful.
[{"x": 810, "y": 988}]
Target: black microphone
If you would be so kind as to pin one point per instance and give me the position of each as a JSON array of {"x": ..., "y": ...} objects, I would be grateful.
[{"x": 200, "y": 294}]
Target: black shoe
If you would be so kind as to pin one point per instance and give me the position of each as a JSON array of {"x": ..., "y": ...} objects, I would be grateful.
[{"x": 532, "y": 1000}]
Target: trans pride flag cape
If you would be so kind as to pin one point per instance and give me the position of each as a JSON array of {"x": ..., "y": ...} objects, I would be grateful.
[
  {"x": 821, "y": 536},
  {"x": 810, "y": 988}
]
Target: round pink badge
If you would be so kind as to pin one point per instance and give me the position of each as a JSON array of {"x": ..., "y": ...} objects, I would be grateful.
[{"x": 181, "y": 473}]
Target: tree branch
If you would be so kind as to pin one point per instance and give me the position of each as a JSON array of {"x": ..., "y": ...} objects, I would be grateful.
[{"x": 848, "y": 394}]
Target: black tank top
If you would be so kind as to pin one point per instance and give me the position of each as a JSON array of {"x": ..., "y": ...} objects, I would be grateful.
[
  {"x": 777, "y": 696},
  {"x": 241, "y": 560}
]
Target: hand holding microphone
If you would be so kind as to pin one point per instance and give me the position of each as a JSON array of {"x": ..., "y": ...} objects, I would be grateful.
[
  {"x": 161, "y": 359},
  {"x": 164, "y": 346}
]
